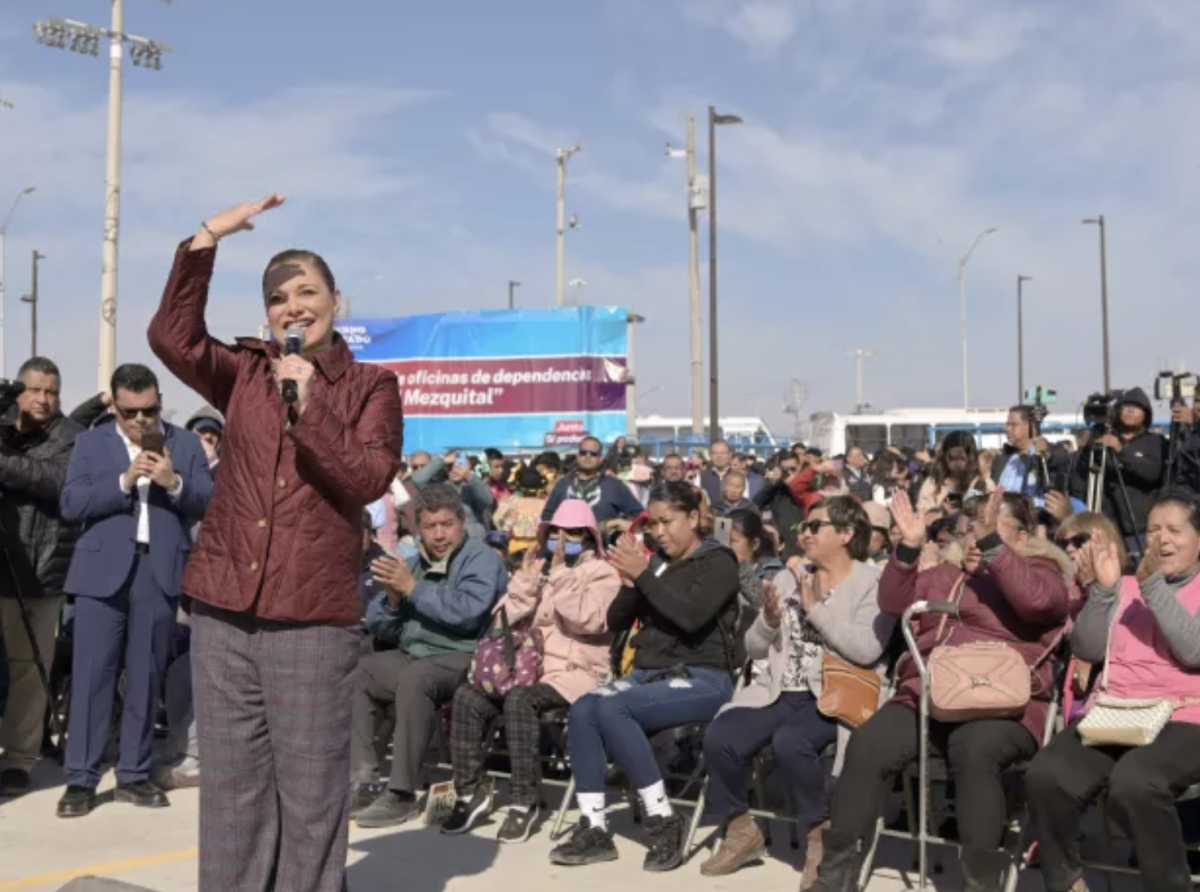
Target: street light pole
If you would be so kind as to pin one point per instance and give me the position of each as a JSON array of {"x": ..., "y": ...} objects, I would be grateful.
[
  {"x": 631, "y": 320},
  {"x": 3, "y": 235},
  {"x": 962, "y": 296},
  {"x": 860, "y": 355},
  {"x": 1021, "y": 280},
  {"x": 1099, "y": 221},
  {"x": 144, "y": 53},
  {"x": 512, "y": 285},
  {"x": 560, "y": 245},
  {"x": 714, "y": 407},
  {"x": 32, "y": 299}
]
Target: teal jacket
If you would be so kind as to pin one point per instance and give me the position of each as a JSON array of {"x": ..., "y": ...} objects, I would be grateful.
[{"x": 447, "y": 611}]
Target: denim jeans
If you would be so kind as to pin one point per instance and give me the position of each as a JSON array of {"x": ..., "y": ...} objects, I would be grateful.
[{"x": 615, "y": 722}]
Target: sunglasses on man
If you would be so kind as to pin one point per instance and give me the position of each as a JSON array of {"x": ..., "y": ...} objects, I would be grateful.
[
  {"x": 128, "y": 414},
  {"x": 590, "y": 453}
]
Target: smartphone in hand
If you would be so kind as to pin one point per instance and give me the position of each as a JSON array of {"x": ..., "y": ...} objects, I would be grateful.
[{"x": 152, "y": 441}]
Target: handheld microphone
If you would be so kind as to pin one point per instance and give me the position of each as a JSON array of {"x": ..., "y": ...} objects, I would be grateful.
[{"x": 293, "y": 341}]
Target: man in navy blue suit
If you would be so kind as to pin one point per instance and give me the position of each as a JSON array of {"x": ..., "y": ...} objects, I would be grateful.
[{"x": 137, "y": 507}]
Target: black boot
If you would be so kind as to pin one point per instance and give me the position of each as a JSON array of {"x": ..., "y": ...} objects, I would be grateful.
[
  {"x": 840, "y": 864},
  {"x": 984, "y": 870}
]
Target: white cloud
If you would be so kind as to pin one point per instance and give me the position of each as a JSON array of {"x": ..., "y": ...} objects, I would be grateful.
[
  {"x": 185, "y": 157},
  {"x": 764, "y": 27}
]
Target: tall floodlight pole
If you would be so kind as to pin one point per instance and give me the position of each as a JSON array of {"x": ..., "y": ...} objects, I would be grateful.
[
  {"x": 715, "y": 120},
  {"x": 560, "y": 240},
  {"x": 962, "y": 295},
  {"x": 1099, "y": 221},
  {"x": 860, "y": 356},
  {"x": 513, "y": 285},
  {"x": 85, "y": 39},
  {"x": 697, "y": 201},
  {"x": 3, "y": 235},
  {"x": 32, "y": 299},
  {"x": 1021, "y": 280}
]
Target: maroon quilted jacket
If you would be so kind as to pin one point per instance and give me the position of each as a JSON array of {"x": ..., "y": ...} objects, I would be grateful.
[
  {"x": 282, "y": 538},
  {"x": 1020, "y": 599}
]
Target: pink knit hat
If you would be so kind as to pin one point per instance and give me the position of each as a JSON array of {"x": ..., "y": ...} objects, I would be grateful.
[{"x": 572, "y": 514}]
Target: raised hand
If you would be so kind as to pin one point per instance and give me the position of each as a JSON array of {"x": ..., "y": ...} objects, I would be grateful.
[
  {"x": 236, "y": 219},
  {"x": 1106, "y": 563},
  {"x": 912, "y": 530}
]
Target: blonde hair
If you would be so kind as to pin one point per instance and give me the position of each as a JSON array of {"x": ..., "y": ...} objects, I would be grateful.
[{"x": 1095, "y": 524}]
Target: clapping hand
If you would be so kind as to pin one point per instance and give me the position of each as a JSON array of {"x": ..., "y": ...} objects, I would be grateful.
[
  {"x": 1106, "y": 562},
  {"x": 629, "y": 558},
  {"x": 1151, "y": 560},
  {"x": 772, "y": 609},
  {"x": 394, "y": 576}
]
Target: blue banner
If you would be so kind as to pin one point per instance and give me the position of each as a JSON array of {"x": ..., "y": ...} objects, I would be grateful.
[{"x": 512, "y": 379}]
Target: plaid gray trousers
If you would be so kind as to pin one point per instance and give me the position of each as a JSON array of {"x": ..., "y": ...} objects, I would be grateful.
[
  {"x": 273, "y": 718},
  {"x": 471, "y": 719}
]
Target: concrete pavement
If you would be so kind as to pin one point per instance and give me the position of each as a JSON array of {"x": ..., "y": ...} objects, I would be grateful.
[{"x": 157, "y": 849}]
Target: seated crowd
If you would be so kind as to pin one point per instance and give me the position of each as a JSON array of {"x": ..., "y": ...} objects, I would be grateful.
[{"x": 684, "y": 620}]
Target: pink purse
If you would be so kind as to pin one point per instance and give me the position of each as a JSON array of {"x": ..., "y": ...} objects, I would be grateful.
[{"x": 982, "y": 680}]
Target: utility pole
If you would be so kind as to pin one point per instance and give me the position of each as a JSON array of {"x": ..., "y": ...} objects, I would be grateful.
[
  {"x": 560, "y": 244},
  {"x": 1099, "y": 221},
  {"x": 697, "y": 201},
  {"x": 32, "y": 299},
  {"x": 3, "y": 235},
  {"x": 860, "y": 355},
  {"x": 962, "y": 296},
  {"x": 513, "y": 284},
  {"x": 85, "y": 39},
  {"x": 631, "y": 320},
  {"x": 1021, "y": 280},
  {"x": 714, "y": 422}
]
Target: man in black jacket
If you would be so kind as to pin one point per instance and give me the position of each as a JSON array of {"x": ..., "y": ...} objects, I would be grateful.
[
  {"x": 1135, "y": 456},
  {"x": 35, "y": 446}
]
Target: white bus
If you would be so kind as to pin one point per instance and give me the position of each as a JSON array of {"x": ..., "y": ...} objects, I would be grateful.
[{"x": 916, "y": 428}]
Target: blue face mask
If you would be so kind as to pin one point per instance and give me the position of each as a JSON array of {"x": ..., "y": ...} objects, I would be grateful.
[{"x": 574, "y": 549}]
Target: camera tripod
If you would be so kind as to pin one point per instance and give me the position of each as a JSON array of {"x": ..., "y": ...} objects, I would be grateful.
[{"x": 1098, "y": 465}]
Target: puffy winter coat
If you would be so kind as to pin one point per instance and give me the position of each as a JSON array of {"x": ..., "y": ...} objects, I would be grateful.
[
  {"x": 283, "y": 535},
  {"x": 32, "y": 469}
]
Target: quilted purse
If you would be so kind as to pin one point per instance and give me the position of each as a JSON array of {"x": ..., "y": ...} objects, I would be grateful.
[
  {"x": 1124, "y": 721},
  {"x": 512, "y": 659},
  {"x": 1119, "y": 721},
  {"x": 981, "y": 680}
]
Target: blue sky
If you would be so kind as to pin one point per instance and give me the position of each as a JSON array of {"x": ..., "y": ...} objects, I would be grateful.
[{"x": 416, "y": 143}]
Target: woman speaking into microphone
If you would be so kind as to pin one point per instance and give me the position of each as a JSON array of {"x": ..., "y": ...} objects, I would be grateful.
[{"x": 312, "y": 437}]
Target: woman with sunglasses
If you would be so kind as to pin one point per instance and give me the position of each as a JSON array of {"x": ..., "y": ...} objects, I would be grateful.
[
  {"x": 828, "y": 606},
  {"x": 1012, "y": 589},
  {"x": 313, "y": 437},
  {"x": 562, "y": 592},
  {"x": 684, "y": 599},
  {"x": 1146, "y": 630}
]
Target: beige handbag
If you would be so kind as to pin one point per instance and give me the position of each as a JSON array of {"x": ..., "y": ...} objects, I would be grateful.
[{"x": 982, "y": 680}]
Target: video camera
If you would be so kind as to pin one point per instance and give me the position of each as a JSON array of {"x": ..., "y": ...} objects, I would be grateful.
[
  {"x": 9, "y": 391},
  {"x": 1100, "y": 409},
  {"x": 1179, "y": 389}
]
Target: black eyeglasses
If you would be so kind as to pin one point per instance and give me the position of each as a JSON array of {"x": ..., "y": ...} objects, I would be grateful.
[
  {"x": 145, "y": 412},
  {"x": 1077, "y": 541},
  {"x": 590, "y": 453},
  {"x": 812, "y": 527}
]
